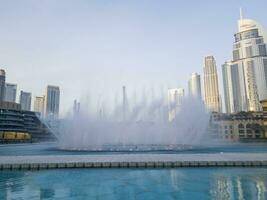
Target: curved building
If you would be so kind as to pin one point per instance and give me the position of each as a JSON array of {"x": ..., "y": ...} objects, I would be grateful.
[
  {"x": 245, "y": 77},
  {"x": 249, "y": 54}
]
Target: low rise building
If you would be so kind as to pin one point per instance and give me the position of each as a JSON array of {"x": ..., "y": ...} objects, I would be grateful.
[
  {"x": 239, "y": 126},
  {"x": 14, "y": 122},
  {"x": 264, "y": 108}
]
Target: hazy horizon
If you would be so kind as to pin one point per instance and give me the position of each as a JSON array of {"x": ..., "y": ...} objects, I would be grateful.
[{"x": 95, "y": 47}]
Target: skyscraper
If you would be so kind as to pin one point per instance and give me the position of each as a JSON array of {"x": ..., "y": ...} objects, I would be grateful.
[
  {"x": 76, "y": 108},
  {"x": 247, "y": 72},
  {"x": 2, "y": 84},
  {"x": 52, "y": 98},
  {"x": 234, "y": 88},
  {"x": 212, "y": 97},
  {"x": 11, "y": 92},
  {"x": 25, "y": 100},
  {"x": 194, "y": 86},
  {"x": 124, "y": 103},
  {"x": 175, "y": 98},
  {"x": 39, "y": 105}
]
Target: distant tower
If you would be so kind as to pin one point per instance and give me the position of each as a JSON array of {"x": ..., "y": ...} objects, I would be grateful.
[
  {"x": 25, "y": 100},
  {"x": 194, "y": 86},
  {"x": 52, "y": 98},
  {"x": 39, "y": 105},
  {"x": 2, "y": 84},
  {"x": 11, "y": 92},
  {"x": 212, "y": 97},
  {"x": 124, "y": 103},
  {"x": 76, "y": 108},
  {"x": 175, "y": 98}
]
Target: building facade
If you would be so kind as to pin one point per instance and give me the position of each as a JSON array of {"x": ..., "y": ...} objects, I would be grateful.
[
  {"x": 239, "y": 126},
  {"x": 2, "y": 84},
  {"x": 16, "y": 123},
  {"x": 247, "y": 72},
  {"x": 234, "y": 88},
  {"x": 39, "y": 105},
  {"x": 194, "y": 86},
  {"x": 25, "y": 100},
  {"x": 211, "y": 86},
  {"x": 52, "y": 99},
  {"x": 175, "y": 98},
  {"x": 264, "y": 108},
  {"x": 11, "y": 92}
]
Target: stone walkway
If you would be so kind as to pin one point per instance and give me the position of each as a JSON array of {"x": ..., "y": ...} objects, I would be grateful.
[{"x": 133, "y": 160}]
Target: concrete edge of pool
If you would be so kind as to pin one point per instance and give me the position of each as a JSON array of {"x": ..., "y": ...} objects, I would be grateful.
[{"x": 133, "y": 161}]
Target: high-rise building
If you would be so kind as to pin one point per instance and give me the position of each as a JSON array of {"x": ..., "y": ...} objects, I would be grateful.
[
  {"x": 248, "y": 68},
  {"x": 39, "y": 105},
  {"x": 2, "y": 84},
  {"x": 11, "y": 92},
  {"x": 211, "y": 87},
  {"x": 234, "y": 88},
  {"x": 25, "y": 100},
  {"x": 52, "y": 98},
  {"x": 194, "y": 86},
  {"x": 175, "y": 98},
  {"x": 124, "y": 103},
  {"x": 76, "y": 108}
]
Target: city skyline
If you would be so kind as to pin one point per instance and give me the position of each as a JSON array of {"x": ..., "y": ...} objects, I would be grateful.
[{"x": 173, "y": 72}]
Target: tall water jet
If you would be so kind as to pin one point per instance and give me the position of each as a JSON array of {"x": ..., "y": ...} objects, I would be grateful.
[{"x": 145, "y": 123}]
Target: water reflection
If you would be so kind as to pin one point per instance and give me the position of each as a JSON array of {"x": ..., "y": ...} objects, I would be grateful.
[
  {"x": 239, "y": 186},
  {"x": 182, "y": 183}
]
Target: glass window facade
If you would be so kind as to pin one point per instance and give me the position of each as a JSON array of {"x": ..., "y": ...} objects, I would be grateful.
[
  {"x": 262, "y": 50},
  {"x": 246, "y": 35},
  {"x": 236, "y": 55},
  {"x": 249, "y": 52}
]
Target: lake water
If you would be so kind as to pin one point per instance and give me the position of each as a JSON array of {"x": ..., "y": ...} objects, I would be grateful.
[
  {"x": 127, "y": 184},
  {"x": 180, "y": 183}
]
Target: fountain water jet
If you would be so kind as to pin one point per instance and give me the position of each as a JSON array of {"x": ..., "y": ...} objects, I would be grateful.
[{"x": 144, "y": 126}]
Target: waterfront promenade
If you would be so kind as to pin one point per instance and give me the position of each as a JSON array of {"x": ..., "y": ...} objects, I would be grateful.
[{"x": 133, "y": 161}]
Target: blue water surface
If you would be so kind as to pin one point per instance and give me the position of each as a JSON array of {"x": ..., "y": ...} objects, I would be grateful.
[
  {"x": 135, "y": 184},
  {"x": 53, "y": 149}
]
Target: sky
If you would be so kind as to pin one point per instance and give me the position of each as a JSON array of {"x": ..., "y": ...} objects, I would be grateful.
[{"x": 97, "y": 46}]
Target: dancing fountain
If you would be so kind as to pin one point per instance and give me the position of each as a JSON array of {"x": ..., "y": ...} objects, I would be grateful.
[{"x": 138, "y": 127}]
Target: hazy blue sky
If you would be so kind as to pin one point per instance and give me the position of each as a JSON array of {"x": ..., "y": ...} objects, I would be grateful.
[{"x": 98, "y": 46}]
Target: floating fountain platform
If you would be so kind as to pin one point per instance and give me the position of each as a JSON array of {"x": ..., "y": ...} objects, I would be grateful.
[{"x": 133, "y": 161}]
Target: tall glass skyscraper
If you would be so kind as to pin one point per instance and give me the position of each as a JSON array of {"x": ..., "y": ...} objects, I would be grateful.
[
  {"x": 25, "y": 100},
  {"x": 194, "y": 86},
  {"x": 2, "y": 84},
  {"x": 11, "y": 92},
  {"x": 211, "y": 86},
  {"x": 245, "y": 77},
  {"x": 175, "y": 98},
  {"x": 52, "y": 101},
  {"x": 234, "y": 87}
]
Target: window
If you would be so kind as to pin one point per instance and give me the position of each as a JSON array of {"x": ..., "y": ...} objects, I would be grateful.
[
  {"x": 249, "y": 52},
  {"x": 240, "y": 126},
  {"x": 236, "y": 55},
  {"x": 259, "y": 41},
  {"x": 249, "y": 34},
  {"x": 262, "y": 50}
]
